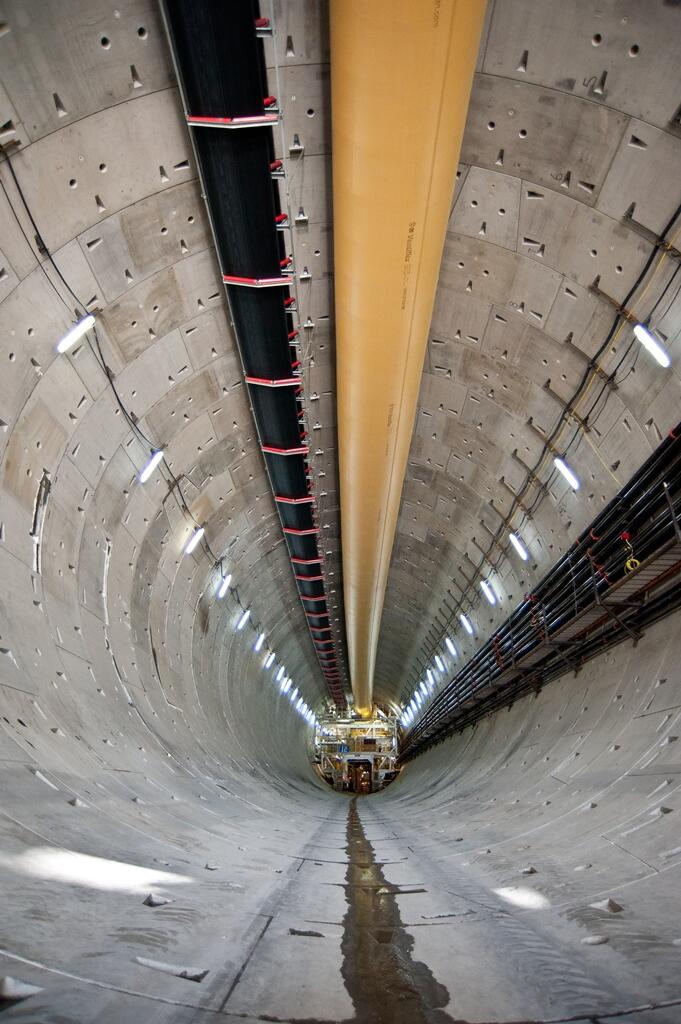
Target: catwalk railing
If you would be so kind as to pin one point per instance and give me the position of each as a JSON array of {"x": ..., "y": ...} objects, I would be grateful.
[{"x": 620, "y": 575}]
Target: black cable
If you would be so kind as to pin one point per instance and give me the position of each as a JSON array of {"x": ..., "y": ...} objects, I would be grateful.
[
  {"x": 39, "y": 238},
  {"x": 33, "y": 252}
]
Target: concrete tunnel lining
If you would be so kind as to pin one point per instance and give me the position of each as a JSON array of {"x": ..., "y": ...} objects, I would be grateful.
[{"x": 181, "y": 772}]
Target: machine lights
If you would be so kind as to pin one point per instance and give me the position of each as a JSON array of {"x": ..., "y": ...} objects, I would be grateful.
[
  {"x": 226, "y": 580},
  {"x": 465, "y": 623},
  {"x": 194, "y": 540},
  {"x": 244, "y": 619},
  {"x": 269, "y": 659},
  {"x": 518, "y": 545},
  {"x": 652, "y": 345},
  {"x": 77, "y": 331},
  {"x": 488, "y": 592},
  {"x": 563, "y": 468},
  {"x": 279, "y": 673},
  {"x": 259, "y": 642},
  {"x": 450, "y": 647},
  {"x": 439, "y": 663},
  {"x": 151, "y": 466},
  {"x": 431, "y": 678}
]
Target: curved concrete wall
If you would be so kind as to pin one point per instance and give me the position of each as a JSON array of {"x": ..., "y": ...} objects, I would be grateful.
[{"x": 143, "y": 749}]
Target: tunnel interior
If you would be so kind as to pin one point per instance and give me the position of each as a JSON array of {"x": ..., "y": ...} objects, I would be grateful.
[{"x": 171, "y": 847}]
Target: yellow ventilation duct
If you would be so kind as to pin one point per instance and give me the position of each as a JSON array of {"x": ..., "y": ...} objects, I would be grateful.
[{"x": 401, "y": 75}]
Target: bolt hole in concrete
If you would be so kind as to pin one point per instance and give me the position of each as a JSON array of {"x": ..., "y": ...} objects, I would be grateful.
[{"x": 356, "y": 755}]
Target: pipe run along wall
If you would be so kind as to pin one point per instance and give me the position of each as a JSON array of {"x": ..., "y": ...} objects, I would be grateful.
[{"x": 401, "y": 76}]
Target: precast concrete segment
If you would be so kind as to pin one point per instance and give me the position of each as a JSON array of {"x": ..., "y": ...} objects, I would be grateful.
[{"x": 401, "y": 75}]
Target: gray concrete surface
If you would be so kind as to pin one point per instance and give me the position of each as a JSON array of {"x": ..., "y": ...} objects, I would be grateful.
[{"x": 143, "y": 748}]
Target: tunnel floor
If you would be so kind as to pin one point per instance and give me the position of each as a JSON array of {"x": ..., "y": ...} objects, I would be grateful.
[{"x": 418, "y": 938}]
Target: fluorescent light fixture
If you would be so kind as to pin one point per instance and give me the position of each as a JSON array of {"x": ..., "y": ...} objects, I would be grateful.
[
  {"x": 224, "y": 586},
  {"x": 151, "y": 466},
  {"x": 269, "y": 659},
  {"x": 450, "y": 647},
  {"x": 259, "y": 642},
  {"x": 563, "y": 468},
  {"x": 518, "y": 545},
  {"x": 650, "y": 342},
  {"x": 293, "y": 694},
  {"x": 299, "y": 703},
  {"x": 77, "y": 331},
  {"x": 465, "y": 623},
  {"x": 440, "y": 663},
  {"x": 418, "y": 698},
  {"x": 488, "y": 592},
  {"x": 423, "y": 688},
  {"x": 431, "y": 679},
  {"x": 280, "y": 673},
  {"x": 194, "y": 540},
  {"x": 244, "y": 619},
  {"x": 286, "y": 686}
]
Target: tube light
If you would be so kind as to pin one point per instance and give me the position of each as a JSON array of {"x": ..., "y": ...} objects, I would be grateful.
[
  {"x": 224, "y": 585},
  {"x": 194, "y": 540},
  {"x": 269, "y": 659},
  {"x": 440, "y": 663},
  {"x": 418, "y": 698},
  {"x": 488, "y": 592},
  {"x": 431, "y": 679},
  {"x": 77, "y": 331},
  {"x": 563, "y": 468},
  {"x": 423, "y": 688},
  {"x": 259, "y": 642},
  {"x": 450, "y": 647},
  {"x": 244, "y": 619},
  {"x": 653, "y": 346},
  {"x": 293, "y": 694},
  {"x": 518, "y": 545},
  {"x": 465, "y": 623},
  {"x": 151, "y": 466},
  {"x": 300, "y": 701},
  {"x": 279, "y": 673}
]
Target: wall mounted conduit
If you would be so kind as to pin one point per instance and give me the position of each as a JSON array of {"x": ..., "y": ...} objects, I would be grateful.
[{"x": 220, "y": 66}]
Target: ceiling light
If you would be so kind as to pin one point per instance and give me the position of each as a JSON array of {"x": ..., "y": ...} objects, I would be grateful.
[
  {"x": 225, "y": 584},
  {"x": 423, "y": 688},
  {"x": 465, "y": 623},
  {"x": 269, "y": 659},
  {"x": 76, "y": 332},
  {"x": 293, "y": 694},
  {"x": 279, "y": 673},
  {"x": 440, "y": 663},
  {"x": 450, "y": 647},
  {"x": 653, "y": 346},
  {"x": 563, "y": 468},
  {"x": 194, "y": 540},
  {"x": 151, "y": 466},
  {"x": 518, "y": 545},
  {"x": 244, "y": 619},
  {"x": 431, "y": 679},
  {"x": 259, "y": 642},
  {"x": 488, "y": 592},
  {"x": 418, "y": 698}
]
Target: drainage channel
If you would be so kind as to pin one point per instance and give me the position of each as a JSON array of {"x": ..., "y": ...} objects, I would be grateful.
[{"x": 386, "y": 984}]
